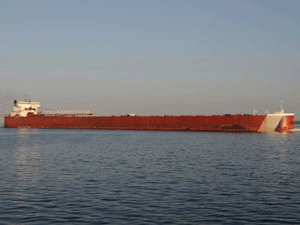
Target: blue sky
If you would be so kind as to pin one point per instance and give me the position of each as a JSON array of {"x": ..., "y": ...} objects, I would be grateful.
[{"x": 151, "y": 57}]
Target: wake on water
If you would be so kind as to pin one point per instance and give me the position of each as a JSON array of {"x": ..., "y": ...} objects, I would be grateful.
[{"x": 295, "y": 129}]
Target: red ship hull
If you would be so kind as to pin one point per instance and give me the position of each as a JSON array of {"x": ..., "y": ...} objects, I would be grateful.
[
  {"x": 286, "y": 124},
  {"x": 225, "y": 123}
]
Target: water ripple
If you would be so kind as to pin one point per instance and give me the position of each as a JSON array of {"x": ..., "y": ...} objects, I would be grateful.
[{"x": 131, "y": 177}]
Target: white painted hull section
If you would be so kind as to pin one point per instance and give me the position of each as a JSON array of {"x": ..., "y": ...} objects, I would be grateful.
[{"x": 270, "y": 123}]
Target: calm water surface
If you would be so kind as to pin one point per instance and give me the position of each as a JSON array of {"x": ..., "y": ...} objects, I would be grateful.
[{"x": 146, "y": 177}]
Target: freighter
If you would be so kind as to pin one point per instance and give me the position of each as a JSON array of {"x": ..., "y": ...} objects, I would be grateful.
[{"x": 25, "y": 114}]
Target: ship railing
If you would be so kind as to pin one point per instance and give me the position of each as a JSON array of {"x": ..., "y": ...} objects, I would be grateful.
[{"x": 66, "y": 112}]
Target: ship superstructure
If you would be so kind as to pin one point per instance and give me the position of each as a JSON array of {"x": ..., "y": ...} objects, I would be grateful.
[
  {"x": 25, "y": 115},
  {"x": 22, "y": 108}
]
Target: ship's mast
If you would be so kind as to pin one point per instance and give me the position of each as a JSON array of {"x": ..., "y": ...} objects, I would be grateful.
[
  {"x": 255, "y": 111},
  {"x": 281, "y": 106}
]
